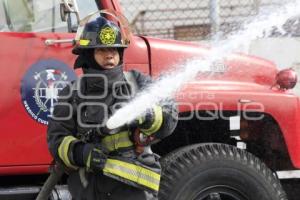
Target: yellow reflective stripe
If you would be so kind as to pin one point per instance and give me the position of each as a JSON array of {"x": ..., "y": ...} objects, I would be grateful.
[
  {"x": 84, "y": 42},
  {"x": 130, "y": 175},
  {"x": 116, "y": 141},
  {"x": 135, "y": 173},
  {"x": 63, "y": 150},
  {"x": 158, "y": 120},
  {"x": 88, "y": 164},
  {"x": 134, "y": 167}
]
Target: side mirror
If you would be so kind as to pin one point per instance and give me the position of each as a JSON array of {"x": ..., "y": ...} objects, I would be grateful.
[
  {"x": 63, "y": 12},
  {"x": 286, "y": 79},
  {"x": 67, "y": 7}
]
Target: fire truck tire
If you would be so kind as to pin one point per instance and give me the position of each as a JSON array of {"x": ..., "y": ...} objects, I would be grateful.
[{"x": 216, "y": 172}]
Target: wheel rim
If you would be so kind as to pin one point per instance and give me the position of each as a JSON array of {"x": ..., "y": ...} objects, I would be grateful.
[{"x": 220, "y": 192}]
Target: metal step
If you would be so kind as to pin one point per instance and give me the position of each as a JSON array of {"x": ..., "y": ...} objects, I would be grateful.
[
  {"x": 30, "y": 193},
  {"x": 289, "y": 174}
]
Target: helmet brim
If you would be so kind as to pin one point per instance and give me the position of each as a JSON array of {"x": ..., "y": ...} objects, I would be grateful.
[{"x": 78, "y": 50}]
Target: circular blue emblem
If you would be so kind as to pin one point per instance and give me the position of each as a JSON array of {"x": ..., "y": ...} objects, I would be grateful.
[{"x": 40, "y": 87}]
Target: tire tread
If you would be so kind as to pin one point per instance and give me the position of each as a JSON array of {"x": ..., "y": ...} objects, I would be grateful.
[{"x": 175, "y": 164}]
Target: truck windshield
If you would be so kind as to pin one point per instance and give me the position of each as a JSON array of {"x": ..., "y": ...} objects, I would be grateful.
[{"x": 37, "y": 15}]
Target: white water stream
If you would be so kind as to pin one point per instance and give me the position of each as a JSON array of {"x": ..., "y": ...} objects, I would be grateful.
[{"x": 256, "y": 27}]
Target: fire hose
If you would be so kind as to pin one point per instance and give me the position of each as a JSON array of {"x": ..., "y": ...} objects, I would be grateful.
[{"x": 56, "y": 172}]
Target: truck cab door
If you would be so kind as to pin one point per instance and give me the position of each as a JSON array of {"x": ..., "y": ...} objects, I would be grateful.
[{"x": 28, "y": 70}]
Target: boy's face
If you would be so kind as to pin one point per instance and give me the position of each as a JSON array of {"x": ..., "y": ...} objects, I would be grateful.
[{"x": 107, "y": 58}]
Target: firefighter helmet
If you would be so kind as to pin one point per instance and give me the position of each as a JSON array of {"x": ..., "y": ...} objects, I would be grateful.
[{"x": 100, "y": 33}]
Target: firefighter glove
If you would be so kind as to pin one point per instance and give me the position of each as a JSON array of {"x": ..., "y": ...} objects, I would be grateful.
[
  {"x": 95, "y": 157},
  {"x": 151, "y": 121}
]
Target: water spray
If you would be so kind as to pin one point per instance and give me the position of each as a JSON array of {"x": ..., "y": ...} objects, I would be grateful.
[{"x": 164, "y": 88}]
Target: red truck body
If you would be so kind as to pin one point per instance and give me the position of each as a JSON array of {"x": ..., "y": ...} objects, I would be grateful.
[{"x": 23, "y": 146}]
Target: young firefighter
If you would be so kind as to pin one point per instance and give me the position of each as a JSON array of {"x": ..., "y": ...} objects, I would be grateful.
[{"x": 103, "y": 164}]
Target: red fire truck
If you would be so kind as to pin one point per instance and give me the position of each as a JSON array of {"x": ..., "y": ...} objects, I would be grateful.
[{"x": 238, "y": 130}]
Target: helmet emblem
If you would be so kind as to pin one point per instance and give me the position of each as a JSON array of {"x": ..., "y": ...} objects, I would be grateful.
[{"x": 107, "y": 36}]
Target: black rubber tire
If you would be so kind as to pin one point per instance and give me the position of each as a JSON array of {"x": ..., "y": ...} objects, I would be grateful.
[{"x": 217, "y": 172}]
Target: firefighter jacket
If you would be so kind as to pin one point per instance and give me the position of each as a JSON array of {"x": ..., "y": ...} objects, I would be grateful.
[{"x": 87, "y": 103}]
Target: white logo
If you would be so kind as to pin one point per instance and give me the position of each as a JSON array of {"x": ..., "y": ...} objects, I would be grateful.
[{"x": 49, "y": 83}]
